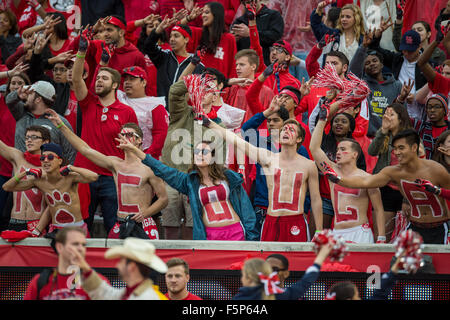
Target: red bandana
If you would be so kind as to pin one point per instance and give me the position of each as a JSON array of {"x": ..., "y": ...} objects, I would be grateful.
[
  {"x": 34, "y": 159},
  {"x": 212, "y": 114}
]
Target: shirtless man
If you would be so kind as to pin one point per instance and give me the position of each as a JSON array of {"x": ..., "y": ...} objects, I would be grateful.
[
  {"x": 59, "y": 186},
  {"x": 135, "y": 182},
  {"x": 29, "y": 205},
  {"x": 350, "y": 205},
  {"x": 289, "y": 176},
  {"x": 429, "y": 210}
]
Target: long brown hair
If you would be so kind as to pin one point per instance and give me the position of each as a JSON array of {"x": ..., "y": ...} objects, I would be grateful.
[
  {"x": 216, "y": 171},
  {"x": 403, "y": 119},
  {"x": 439, "y": 156}
]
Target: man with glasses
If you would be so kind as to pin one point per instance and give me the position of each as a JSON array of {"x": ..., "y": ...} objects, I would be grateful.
[
  {"x": 58, "y": 184},
  {"x": 281, "y": 53},
  {"x": 28, "y": 206},
  {"x": 135, "y": 183},
  {"x": 279, "y": 264},
  {"x": 436, "y": 109}
]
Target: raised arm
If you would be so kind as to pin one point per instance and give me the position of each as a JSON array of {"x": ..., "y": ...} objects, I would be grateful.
[
  {"x": 317, "y": 136},
  {"x": 357, "y": 182},
  {"x": 260, "y": 155},
  {"x": 80, "y": 175},
  {"x": 9, "y": 153},
  {"x": 80, "y": 145},
  {"x": 79, "y": 86}
]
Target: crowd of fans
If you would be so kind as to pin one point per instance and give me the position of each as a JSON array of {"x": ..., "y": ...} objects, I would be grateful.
[{"x": 201, "y": 121}]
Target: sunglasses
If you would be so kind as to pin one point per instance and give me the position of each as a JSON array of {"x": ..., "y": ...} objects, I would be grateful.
[
  {"x": 276, "y": 269},
  {"x": 203, "y": 151},
  {"x": 277, "y": 49},
  {"x": 32, "y": 137},
  {"x": 49, "y": 157},
  {"x": 130, "y": 134}
]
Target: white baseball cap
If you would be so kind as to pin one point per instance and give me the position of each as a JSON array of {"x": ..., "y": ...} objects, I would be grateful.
[{"x": 44, "y": 89}]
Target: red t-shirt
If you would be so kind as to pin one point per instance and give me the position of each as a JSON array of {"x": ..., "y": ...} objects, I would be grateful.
[
  {"x": 440, "y": 84},
  {"x": 71, "y": 111},
  {"x": 55, "y": 289},
  {"x": 190, "y": 296},
  {"x": 100, "y": 134},
  {"x": 223, "y": 59},
  {"x": 437, "y": 131}
]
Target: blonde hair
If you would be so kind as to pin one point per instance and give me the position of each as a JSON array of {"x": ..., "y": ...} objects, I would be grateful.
[
  {"x": 251, "y": 269},
  {"x": 358, "y": 27}
]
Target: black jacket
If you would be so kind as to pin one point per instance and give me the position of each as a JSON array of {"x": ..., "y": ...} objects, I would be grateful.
[
  {"x": 9, "y": 45},
  {"x": 92, "y": 10},
  {"x": 270, "y": 26},
  {"x": 166, "y": 63}
]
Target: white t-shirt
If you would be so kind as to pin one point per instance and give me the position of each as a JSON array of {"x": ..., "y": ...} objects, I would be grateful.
[{"x": 407, "y": 72}]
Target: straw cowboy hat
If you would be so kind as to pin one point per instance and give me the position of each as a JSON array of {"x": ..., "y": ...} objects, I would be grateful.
[{"x": 138, "y": 250}]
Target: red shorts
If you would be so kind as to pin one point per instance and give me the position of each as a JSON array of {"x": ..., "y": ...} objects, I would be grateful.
[
  {"x": 82, "y": 224},
  {"x": 284, "y": 229}
]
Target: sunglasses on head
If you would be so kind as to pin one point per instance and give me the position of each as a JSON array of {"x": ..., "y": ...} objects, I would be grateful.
[
  {"x": 203, "y": 151},
  {"x": 49, "y": 157}
]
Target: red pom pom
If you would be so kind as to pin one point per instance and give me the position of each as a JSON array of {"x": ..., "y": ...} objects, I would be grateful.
[
  {"x": 409, "y": 246},
  {"x": 339, "y": 247}
]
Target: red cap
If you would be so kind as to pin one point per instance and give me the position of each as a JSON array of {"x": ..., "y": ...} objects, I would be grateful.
[
  {"x": 135, "y": 71},
  {"x": 285, "y": 45}
]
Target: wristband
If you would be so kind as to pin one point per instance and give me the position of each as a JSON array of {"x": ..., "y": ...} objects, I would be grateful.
[
  {"x": 81, "y": 56},
  {"x": 381, "y": 238},
  {"x": 60, "y": 125},
  {"x": 38, "y": 7},
  {"x": 17, "y": 179},
  {"x": 36, "y": 232}
]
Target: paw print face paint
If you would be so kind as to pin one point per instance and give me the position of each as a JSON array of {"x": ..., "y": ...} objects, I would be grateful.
[{"x": 56, "y": 198}]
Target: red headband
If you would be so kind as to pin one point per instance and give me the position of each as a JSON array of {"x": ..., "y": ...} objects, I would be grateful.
[
  {"x": 290, "y": 94},
  {"x": 116, "y": 22},
  {"x": 182, "y": 31}
]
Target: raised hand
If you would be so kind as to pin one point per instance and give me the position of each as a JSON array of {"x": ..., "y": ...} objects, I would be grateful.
[
  {"x": 323, "y": 113},
  {"x": 51, "y": 115},
  {"x": 83, "y": 45},
  {"x": 384, "y": 25},
  {"x": 41, "y": 42},
  {"x": 330, "y": 173},
  {"x": 206, "y": 122},
  {"x": 400, "y": 8},
  {"x": 305, "y": 28},
  {"x": 106, "y": 55},
  {"x": 35, "y": 172},
  {"x": 194, "y": 13},
  {"x": 64, "y": 171},
  {"x": 428, "y": 186},
  {"x": 251, "y": 11},
  {"x": 21, "y": 67},
  {"x": 306, "y": 86},
  {"x": 444, "y": 150},
  {"x": 270, "y": 69},
  {"x": 179, "y": 15},
  {"x": 63, "y": 56},
  {"x": 406, "y": 89},
  {"x": 368, "y": 38},
  {"x": 326, "y": 39}
]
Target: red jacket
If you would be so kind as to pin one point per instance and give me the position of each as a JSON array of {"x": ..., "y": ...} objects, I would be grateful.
[{"x": 6, "y": 135}]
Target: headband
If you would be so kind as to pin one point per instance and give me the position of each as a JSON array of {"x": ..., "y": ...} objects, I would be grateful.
[
  {"x": 116, "y": 22},
  {"x": 182, "y": 31},
  {"x": 291, "y": 94}
]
